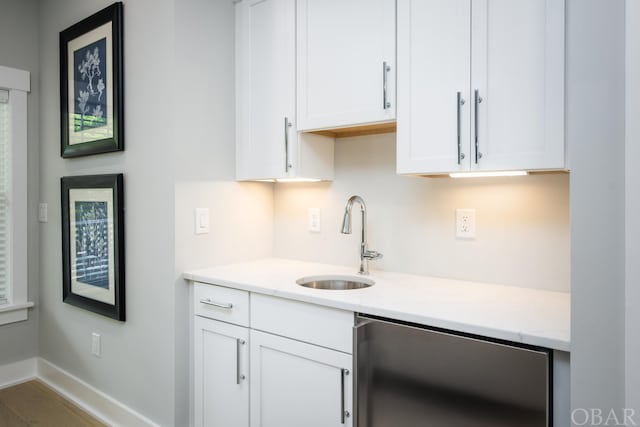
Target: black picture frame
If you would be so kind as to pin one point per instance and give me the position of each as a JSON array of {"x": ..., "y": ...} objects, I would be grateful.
[
  {"x": 91, "y": 85},
  {"x": 93, "y": 243}
]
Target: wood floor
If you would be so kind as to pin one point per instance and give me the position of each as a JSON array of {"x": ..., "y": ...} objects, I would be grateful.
[{"x": 35, "y": 404}]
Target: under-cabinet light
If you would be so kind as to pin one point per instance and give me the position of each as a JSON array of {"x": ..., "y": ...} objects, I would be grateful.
[
  {"x": 298, "y": 180},
  {"x": 487, "y": 174}
]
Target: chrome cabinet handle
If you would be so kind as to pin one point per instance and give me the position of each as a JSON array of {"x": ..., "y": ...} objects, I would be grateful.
[
  {"x": 239, "y": 376},
  {"x": 385, "y": 75},
  {"x": 343, "y": 413},
  {"x": 459, "y": 103},
  {"x": 207, "y": 301},
  {"x": 287, "y": 125},
  {"x": 477, "y": 100}
]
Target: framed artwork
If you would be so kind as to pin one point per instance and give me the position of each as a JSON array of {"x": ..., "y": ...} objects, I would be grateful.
[
  {"x": 93, "y": 243},
  {"x": 91, "y": 86}
]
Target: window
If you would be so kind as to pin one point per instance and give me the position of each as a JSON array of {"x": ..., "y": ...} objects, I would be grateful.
[{"x": 14, "y": 85}]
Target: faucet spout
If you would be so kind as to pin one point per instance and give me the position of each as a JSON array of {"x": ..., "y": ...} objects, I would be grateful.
[{"x": 365, "y": 253}]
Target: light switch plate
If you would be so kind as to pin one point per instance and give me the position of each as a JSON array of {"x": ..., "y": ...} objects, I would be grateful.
[
  {"x": 202, "y": 220},
  {"x": 43, "y": 212},
  {"x": 466, "y": 223},
  {"x": 314, "y": 220}
]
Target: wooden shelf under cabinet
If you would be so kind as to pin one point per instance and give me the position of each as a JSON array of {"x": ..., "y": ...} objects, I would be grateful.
[{"x": 371, "y": 129}]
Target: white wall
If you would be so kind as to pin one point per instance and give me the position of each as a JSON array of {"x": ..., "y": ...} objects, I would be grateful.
[
  {"x": 595, "y": 133},
  {"x": 522, "y": 222},
  {"x": 632, "y": 232},
  {"x": 19, "y": 49},
  {"x": 241, "y": 213}
]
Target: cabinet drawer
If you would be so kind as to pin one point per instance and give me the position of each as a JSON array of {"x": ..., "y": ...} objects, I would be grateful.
[
  {"x": 220, "y": 303},
  {"x": 324, "y": 326}
]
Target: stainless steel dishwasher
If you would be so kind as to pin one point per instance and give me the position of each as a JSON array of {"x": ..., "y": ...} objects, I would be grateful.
[{"x": 407, "y": 376}]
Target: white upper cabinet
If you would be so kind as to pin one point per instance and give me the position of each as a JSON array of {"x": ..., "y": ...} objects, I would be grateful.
[
  {"x": 268, "y": 145},
  {"x": 434, "y": 81},
  {"x": 346, "y": 62},
  {"x": 505, "y": 59}
]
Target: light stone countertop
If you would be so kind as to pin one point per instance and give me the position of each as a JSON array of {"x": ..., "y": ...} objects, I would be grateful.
[{"x": 529, "y": 316}]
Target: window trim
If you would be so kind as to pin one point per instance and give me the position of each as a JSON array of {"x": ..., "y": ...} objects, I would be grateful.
[{"x": 17, "y": 82}]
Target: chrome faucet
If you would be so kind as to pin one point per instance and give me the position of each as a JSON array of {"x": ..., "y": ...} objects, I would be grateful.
[{"x": 365, "y": 253}]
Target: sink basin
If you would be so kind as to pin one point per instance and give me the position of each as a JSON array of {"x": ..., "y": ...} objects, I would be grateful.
[{"x": 335, "y": 282}]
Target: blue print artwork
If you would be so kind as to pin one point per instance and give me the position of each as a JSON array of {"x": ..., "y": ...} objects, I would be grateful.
[
  {"x": 90, "y": 80},
  {"x": 92, "y": 244}
]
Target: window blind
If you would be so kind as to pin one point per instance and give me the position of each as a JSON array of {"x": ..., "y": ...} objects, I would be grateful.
[{"x": 5, "y": 176}]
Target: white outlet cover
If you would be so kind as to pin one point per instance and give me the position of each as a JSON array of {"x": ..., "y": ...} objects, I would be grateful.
[
  {"x": 314, "y": 220},
  {"x": 466, "y": 223}
]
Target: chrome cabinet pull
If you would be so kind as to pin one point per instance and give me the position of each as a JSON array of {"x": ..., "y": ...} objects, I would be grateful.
[
  {"x": 459, "y": 103},
  {"x": 477, "y": 101},
  {"x": 287, "y": 125},
  {"x": 207, "y": 301},
  {"x": 385, "y": 75},
  {"x": 239, "y": 376},
  {"x": 343, "y": 413}
]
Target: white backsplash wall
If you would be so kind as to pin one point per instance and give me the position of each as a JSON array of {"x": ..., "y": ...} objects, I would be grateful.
[{"x": 522, "y": 236}]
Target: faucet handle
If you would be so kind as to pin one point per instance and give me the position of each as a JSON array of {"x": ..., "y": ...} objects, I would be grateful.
[{"x": 372, "y": 255}]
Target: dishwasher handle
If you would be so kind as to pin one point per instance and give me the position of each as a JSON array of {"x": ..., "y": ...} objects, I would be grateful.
[{"x": 358, "y": 333}]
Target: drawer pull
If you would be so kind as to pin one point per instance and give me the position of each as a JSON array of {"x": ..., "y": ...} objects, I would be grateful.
[{"x": 207, "y": 301}]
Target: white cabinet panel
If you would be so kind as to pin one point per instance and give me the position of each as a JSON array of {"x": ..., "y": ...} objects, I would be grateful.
[
  {"x": 297, "y": 384},
  {"x": 315, "y": 324},
  {"x": 221, "y": 303},
  {"x": 518, "y": 70},
  {"x": 434, "y": 47},
  {"x": 265, "y": 86},
  {"x": 268, "y": 145},
  {"x": 342, "y": 46},
  {"x": 507, "y": 61},
  {"x": 221, "y": 357}
]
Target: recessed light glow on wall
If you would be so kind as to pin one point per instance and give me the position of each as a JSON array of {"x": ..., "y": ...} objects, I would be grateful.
[{"x": 486, "y": 174}]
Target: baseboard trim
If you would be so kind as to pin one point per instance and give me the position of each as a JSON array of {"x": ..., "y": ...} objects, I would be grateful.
[
  {"x": 100, "y": 405},
  {"x": 18, "y": 372}
]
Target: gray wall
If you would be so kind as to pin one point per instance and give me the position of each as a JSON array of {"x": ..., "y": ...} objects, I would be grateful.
[
  {"x": 19, "y": 49},
  {"x": 632, "y": 372},
  {"x": 595, "y": 133},
  {"x": 179, "y": 75},
  {"x": 138, "y": 358}
]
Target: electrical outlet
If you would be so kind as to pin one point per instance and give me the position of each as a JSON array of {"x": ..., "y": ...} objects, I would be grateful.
[
  {"x": 314, "y": 220},
  {"x": 466, "y": 223},
  {"x": 96, "y": 345}
]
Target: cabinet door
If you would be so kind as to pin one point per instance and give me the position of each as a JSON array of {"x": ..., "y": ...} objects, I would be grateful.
[
  {"x": 434, "y": 51},
  {"x": 265, "y": 86},
  {"x": 518, "y": 70},
  {"x": 297, "y": 384},
  {"x": 342, "y": 46},
  {"x": 220, "y": 374}
]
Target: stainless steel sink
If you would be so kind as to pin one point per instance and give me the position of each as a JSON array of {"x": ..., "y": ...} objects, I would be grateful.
[{"x": 334, "y": 282}]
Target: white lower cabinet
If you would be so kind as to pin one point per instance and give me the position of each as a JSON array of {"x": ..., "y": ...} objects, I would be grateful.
[
  {"x": 221, "y": 369},
  {"x": 263, "y": 361},
  {"x": 298, "y": 384}
]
